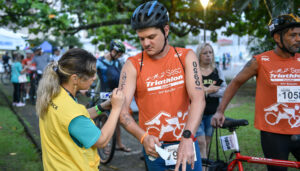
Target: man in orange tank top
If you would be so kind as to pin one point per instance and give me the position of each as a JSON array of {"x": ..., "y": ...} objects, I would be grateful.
[
  {"x": 167, "y": 86},
  {"x": 277, "y": 107}
]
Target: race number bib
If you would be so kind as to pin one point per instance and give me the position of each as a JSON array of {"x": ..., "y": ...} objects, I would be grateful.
[
  {"x": 288, "y": 94},
  {"x": 169, "y": 153},
  {"x": 228, "y": 142},
  {"x": 105, "y": 95}
]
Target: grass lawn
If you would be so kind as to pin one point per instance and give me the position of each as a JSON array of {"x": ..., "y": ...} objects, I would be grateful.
[
  {"x": 16, "y": 151},
  {"x": 248, "y": 136}
]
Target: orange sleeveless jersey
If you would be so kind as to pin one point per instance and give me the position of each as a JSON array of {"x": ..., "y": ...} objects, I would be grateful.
[
  {"x": 277, "y": 105},
  {"x": 161, "y": 94}
]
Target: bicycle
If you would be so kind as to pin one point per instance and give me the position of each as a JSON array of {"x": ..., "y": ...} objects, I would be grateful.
[
  {"x": 6, "y": 75},
  {"x": 236, "y": 158},
  {"x": 106, "y": 153}
]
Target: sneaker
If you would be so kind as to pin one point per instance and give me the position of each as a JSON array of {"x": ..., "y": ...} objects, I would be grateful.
[
  {"x": 27, "y": 96},
  {"x": 14, "y": 103},
  {"x": 20, "y": 104}
]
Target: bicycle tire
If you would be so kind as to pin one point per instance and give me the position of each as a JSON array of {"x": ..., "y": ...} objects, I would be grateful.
[
  {"x": 107, "y": 153},
  {"x": 5, "y": 78}
]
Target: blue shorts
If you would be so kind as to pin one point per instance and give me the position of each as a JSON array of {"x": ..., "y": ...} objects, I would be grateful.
[
  {"x": 159, "y": 164},
  {"x": 205, "y": 128}
]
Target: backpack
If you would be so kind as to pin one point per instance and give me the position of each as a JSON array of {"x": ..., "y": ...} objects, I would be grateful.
[{"x": 112, "y": 73}]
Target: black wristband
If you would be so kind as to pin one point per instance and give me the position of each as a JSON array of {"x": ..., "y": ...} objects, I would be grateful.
[{"x": 100, "y": 108}]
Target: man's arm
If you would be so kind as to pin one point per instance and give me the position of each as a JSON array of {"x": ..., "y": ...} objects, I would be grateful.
[
  {"x": 249, "y": 70},
  {"x": 127, "y": 84},
  {"x": 195, "y": 90}
]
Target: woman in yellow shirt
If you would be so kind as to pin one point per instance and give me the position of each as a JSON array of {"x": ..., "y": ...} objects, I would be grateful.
[{"x": 69, "y": 137}]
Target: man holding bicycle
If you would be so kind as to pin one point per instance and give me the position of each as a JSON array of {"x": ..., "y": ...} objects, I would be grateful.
[
  {"x": 166, "y": 82},
  {"x": 108, "y": 70},
  {"x": 277, "y": 113}
]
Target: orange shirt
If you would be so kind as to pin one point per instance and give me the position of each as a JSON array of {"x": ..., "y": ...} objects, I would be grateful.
[
  {"x": 277, "y": 106},
  {"x": 161, "y": 94}
]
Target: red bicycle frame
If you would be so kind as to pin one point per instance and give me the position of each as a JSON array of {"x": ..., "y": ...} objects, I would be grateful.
[
  {"x": 274, "y": 162},
  {"x": 259, "y": 160}
]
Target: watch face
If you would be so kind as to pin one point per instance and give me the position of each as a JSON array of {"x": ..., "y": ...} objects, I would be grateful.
[{"x": 186, "y": 134}]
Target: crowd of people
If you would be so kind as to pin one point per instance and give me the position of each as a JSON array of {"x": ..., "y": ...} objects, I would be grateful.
[
  {"x": 181, "y": 96},
  {"x": 26, "y": 69}
]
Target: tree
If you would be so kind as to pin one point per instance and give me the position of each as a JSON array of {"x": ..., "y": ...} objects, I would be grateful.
[{"x": 108, "y": 19}]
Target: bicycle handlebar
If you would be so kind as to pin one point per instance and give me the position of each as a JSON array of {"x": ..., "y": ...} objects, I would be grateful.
[{"x": 231, "y": 123}]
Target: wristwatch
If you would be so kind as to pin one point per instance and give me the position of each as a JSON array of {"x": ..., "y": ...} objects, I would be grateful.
[{"x": 188, "y": 134}]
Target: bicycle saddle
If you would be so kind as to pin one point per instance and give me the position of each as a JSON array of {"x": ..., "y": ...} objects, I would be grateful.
[{"x": 232, "y": 123}]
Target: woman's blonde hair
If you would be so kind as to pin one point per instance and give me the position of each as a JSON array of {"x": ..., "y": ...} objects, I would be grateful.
[
  {"x": 75, "y": 61},
  {"x": 199, "y": 50}
]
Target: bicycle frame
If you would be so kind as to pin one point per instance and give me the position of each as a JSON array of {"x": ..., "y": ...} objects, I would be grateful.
[{"x": 259, "y": 160}]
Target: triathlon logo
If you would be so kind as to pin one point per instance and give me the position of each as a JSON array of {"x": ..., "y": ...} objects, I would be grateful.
[
  {"x": 280, "y": 112},
  {"x": 164, "y": 123},
  {"x": 285, "y": 74},
  {"x": 165, "y": 80}
]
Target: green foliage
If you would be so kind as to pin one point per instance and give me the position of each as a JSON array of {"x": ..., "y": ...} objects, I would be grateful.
[
  {"x": 58, "y": 41},
  {"x": 108, "y": 19}
]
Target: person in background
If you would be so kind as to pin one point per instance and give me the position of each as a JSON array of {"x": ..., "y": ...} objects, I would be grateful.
[
  {"x": 40, "y": 60},
  {"x": 277, "y": 75},
  {"x": 224, "y": 61},
  {"x": 29, "y": 67},
  {"x": 16, "y": 71},
  {"x": 5, "y": 62},
  {"x": 167, "y": 85},
  {"x": 108, "y": 70},
  {"x": 214, "y": 87},
  {"x": 69, "y": 137},
  {"x": 56, "y": 54}
]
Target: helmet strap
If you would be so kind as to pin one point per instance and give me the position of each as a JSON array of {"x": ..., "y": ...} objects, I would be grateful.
[
  {"x": 283, "y": 48},
  {"x": 163, "y": 47},
  {"x": 165, "y": 43}
]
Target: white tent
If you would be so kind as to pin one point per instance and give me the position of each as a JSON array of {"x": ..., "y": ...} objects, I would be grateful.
[{"x": 10, "y": 40}]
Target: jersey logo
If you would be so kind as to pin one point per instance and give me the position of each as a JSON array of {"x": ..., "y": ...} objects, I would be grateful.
[
  {"x": 280, "y": 112},
  {"x": 164, "y": 123},
  {"x": 265, "y": 58}
]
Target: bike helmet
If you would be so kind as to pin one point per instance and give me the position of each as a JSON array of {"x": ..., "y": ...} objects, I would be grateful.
[
  {"x": 149, "y": 14},
  {"x": 117, "y": 46},
  {"x": 283, "y": 21}
]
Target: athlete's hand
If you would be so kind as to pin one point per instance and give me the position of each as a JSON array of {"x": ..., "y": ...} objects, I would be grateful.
[
  {"x": 218, "y": 119},
  {"x": 117, "y": 99},
  {"x": 185, "y": 154},
  {"x": 149, "y": 145}
]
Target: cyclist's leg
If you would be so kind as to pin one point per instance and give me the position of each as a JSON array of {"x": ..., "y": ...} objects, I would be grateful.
[
  {"x": 295, "y": 149},
  {"x": 275, "y": 146},
  {"x": 208, "y": 131}
]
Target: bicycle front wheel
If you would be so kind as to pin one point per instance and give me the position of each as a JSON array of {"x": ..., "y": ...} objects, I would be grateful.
[{"x": 106, "y": 153}]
